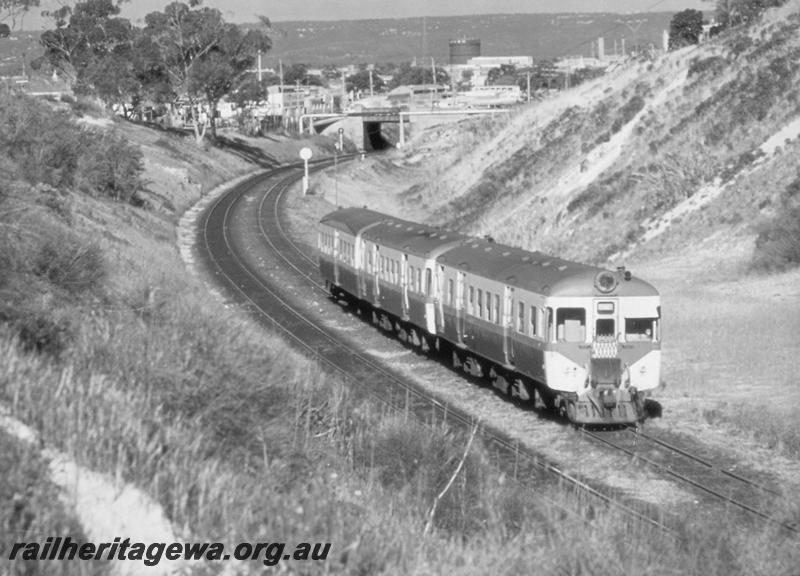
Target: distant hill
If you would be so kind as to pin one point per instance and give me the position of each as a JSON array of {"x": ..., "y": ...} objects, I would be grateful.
[{"x": 542, "y": 36}]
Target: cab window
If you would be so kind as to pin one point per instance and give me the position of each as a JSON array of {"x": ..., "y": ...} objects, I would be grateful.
[
  {"x": 571, "y": 324},
  {"x": 640, "y": 329},
  {"x": 604, "y": 328}
]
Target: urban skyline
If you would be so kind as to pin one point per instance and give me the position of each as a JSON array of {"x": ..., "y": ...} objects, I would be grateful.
[{"x": 241, "y": 11}]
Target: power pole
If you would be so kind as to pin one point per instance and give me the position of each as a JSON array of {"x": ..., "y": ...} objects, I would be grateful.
[{"x": 528, "y": 75}]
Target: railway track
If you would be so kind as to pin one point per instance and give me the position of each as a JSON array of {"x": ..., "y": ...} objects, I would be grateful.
[
  {"x": 669, "y": 459},
  {"x": 253, "y": 289},
  {"x": 712, "y": 480}
]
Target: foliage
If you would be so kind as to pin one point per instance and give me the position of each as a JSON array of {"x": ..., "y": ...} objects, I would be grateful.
[
  {"x": 712, "y": 65},
  {"x": 735, "y": 12},
  {"x": 203, "y": 56},
  {"x": 778, "y": 241},
  {"x": 113, "y": 168},
  {"x": 5, "y": 30},
  {"x": 361, "y": 81},
  {"x": 44, "y": 145},
  {"x": 14, "y": 10},
  {"x": 93, "y": 46},
  {"x": 628, "y": 111},
  {"x": 298, "y": 74},
  {"x": 30, "y": 507},
  {"x": 409, "y": 75},
  {"x": 47, "y": 147},
  {"x": 685, "y": 28},
  {"x": 504, "y": 75}
]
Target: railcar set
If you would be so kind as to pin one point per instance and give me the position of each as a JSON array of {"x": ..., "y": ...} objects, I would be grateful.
[{"x": 585, "y": 340}]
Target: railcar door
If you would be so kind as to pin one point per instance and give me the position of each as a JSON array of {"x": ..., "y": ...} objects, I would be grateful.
[
  {"x": 377, "y": 267},
  {"x": 404, "y": 285},
  {"x": 336, "y": 250},
  {"x": 362, "y": 270},
  {"x": 439, "y": 299},
  {"x": 460, "y": 307},
  {"x": 508, "y": 329}
]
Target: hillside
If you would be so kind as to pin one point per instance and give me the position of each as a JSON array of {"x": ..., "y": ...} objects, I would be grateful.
[
  {"x": 685, "y": 169},
  {"x": 541, "y": 36}
]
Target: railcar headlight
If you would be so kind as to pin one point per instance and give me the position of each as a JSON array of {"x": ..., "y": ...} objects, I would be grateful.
[{"x": 605, "y": 281}]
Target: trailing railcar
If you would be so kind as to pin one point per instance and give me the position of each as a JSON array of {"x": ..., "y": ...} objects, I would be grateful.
[{"x": 584, "y": 339}]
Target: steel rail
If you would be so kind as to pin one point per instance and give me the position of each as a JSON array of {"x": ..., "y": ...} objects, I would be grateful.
[
  {"x": 684, "y": 478},
  {"x": 704, "y": 462}
]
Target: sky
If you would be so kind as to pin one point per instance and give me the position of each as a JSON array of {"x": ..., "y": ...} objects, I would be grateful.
[{"x": 283, "y": 10}]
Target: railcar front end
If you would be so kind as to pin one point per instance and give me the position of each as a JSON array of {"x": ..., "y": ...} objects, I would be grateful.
[{"x": 604, "y": 355}]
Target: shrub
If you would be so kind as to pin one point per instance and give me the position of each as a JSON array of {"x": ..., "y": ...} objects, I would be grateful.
[
  {"x": 109, "y": 166},
  {"x": 71, "y": 265},
  {"x": 627, "y": 113},
  {"x": 713, "y": 65},
  {"x": 39, "y": 331},
  {"x": 45, "y": 145},
  {"x": 778, "y": 242}
]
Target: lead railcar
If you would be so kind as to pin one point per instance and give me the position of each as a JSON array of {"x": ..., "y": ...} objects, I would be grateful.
[{"x": 585, "y": 340}]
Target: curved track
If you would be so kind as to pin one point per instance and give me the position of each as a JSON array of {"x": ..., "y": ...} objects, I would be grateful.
[
  {"x": 269, "y": 301},
  {"x": 666, "y": 457}
]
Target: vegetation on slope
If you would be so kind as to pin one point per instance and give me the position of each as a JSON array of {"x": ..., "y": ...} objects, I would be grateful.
[{"x": 119, "y": 359}]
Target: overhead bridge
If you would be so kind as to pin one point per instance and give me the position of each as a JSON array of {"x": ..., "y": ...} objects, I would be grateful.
[{"x": 370, "y": 131}]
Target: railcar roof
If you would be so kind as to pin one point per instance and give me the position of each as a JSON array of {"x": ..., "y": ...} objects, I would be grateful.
[
  {"x": 418, "y": 239},
  {"x": 352, "y": 220},
  {"x": 534, "y": 271},
  {"x": 513, "y": 266}
]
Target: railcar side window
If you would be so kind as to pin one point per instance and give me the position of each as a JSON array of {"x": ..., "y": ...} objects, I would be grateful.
[
  {"x": 489, "y": 306},
  {"x": 428, "y": 283},
  {"x": 521, "y": 317},
  {"x": 419, "y": 280},
  {"x": 571, "y": 324},
  {"x": 640, "y": 329},
  {"x": 480, "y": 303},
  {"x": 497, "y": 308},
  {"x": 532, "y": 331},
  {"x": 450, "y": 294}
]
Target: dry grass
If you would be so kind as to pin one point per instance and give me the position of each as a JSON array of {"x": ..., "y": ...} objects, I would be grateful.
[
  {"x": 241, "y": 439},
  {"x": 31, "y": 511}
]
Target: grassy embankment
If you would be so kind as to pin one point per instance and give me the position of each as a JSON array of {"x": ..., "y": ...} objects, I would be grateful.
[{"x": 120, "y": 359}]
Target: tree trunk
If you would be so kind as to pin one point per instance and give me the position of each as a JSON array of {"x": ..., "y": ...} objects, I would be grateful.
[{"x": 212, "y": 120}]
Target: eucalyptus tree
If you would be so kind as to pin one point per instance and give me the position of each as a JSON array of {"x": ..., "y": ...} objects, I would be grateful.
[
  {"x": 15, "y": 10},
  {"x": 204, "y": 57}
]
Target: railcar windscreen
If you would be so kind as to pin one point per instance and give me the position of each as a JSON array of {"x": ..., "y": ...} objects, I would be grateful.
[
  {"x": 571, "y": 324},
  {"x": 640, "y": 329},
  {"x": 605, "y": 328}
]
